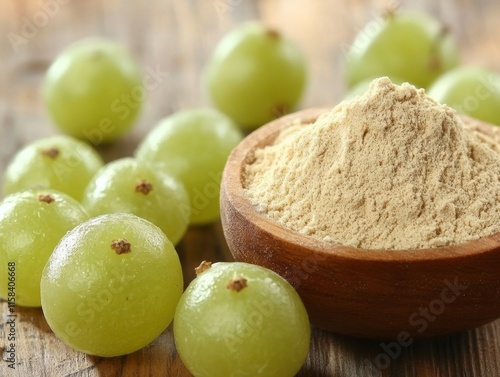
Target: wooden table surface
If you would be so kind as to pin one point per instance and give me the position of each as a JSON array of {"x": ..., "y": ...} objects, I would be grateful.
[{"x": 176, "y": 37}]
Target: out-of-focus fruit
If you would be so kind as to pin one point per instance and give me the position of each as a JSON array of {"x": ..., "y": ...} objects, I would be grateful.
[
  {"x": 470, "y": 90},
  {"x": 255, "y": 74},
  {"x": 412, "y": 46},
  {"x": 93, "y": 90}
]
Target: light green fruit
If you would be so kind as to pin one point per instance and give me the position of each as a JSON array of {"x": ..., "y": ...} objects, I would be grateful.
[
  {"x": 31, "y": 225},
  {"x": 255, "y": 74},
  {"x": 93, "y": 90},
  {"x": 129, "y": 186},
  {"x": 470, "y": 90},
  {"x": 412, "y": 46},
  {"x": 193, "y": 146},
  {"x": 238, "y": 319},
  {"x": 58, "y": 162},
  {"x": 111, "y": 285}
]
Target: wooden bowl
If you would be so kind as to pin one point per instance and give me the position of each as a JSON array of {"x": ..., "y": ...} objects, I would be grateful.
[{"x": 381, "y": 294}]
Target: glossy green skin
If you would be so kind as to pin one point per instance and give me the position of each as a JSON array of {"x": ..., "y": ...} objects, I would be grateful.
[
  {"x": 470, "y": 90},
  {"x": 262, "y": 330},
  {"x": 69, "y": 172},
  {"x": 108, "y": 304},
  {"x": 255, "y": 75},
  {"x": 193, "y": 145},
  {"x": 113, "y": 190},
  {"x": 94, "y": 91},
  {"x": 29, "y": 231},
  {"x": 408, "y": 45}
]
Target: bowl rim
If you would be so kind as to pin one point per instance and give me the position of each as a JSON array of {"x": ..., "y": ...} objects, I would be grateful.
[{"x": 260, "y": 137}]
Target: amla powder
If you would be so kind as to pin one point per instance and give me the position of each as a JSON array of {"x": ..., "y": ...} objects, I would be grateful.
[{"x": 391, "y": 169}]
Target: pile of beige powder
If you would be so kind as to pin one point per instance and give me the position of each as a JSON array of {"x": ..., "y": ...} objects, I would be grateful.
[{"x": 391, "y": 169}]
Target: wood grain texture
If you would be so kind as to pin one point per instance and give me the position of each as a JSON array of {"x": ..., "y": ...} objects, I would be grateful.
[{"x": 177, "y": 36}]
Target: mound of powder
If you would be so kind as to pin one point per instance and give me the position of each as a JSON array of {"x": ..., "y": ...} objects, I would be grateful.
[{"x": 391, "y": 169}]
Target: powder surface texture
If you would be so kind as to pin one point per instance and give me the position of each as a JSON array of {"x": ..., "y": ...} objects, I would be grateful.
[{"x": 391, "y": 169}]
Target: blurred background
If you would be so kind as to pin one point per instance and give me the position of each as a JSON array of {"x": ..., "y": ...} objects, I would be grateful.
[{"x": 178, "y": 36}]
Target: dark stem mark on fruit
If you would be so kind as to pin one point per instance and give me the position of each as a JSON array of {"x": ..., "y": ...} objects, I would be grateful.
[
  {"x": 45, "y": 198},
  {"x": 279, "y": 110},
  {"x": 273, "y": 33},
  {"x": 434, "y": 63},
  {"x": 202, "y": 267},
  {"x": 121, "y": 246},
  {"x": 388, "y": 14},
  {"x": 51, "y": 153},
  {"x": 237, "y": 284},
  {"x": 445, "y": 30},
  {"x": 143, "y": 186}
]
